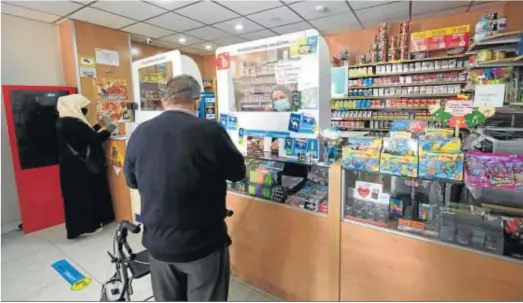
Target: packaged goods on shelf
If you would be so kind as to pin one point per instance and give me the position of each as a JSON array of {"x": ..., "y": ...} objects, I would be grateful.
[
  {"x": 429, "y": 65},
  {"x": 492, "y": 75},
  {"x": 440, "y": 156},
  {"x": 490, "y": 25},
  {"x": 362, "y": 154},
  {"x": 494, "y": 170},
  {"x": 399, "y": 156},
  {"x": 473, "y": 227},
  {"x": 360, "y": 71}
]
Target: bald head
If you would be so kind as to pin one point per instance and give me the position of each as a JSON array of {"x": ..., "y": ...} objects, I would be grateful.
[{"x": 182, "y": 91}]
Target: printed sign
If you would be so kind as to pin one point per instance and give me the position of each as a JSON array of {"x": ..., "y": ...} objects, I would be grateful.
[
  {"x": 107, "y": 57},
  {"x": 459, "y": 107},
  {"x": 87, "y": 66},
  {"x": 490, "y": 94},
  {"x": 222, "y": 61},
  {"x": 371, "y": 192},
  {"x": 76, "y": 279},
  {"x": 88, "y": 61},
  {"x": 112, "y": 96},
  {"x": 442, "y": 38},
  {"x": 116, "y": 159},
  {"x": 288, "y": 72}
]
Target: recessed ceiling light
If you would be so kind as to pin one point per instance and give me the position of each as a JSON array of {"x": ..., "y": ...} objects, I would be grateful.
[
  {"x": 208, "y": 47},
  {"x": 182, "y": 40},
  {"x": 320, "y": 8},
  {"x": 238, "y": 27}
]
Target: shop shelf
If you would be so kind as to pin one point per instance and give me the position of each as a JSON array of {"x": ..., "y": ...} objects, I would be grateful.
[
  {"x": 374, "y": 119},
  {"x": 410, "y": 73},
  {"x": 397, "y": 96},
  {"x": 408, "y": 178},
  {"x": 507, "y": 62},
  {"x": 409, "y": 84},
  {"x": 382, "y": 108},
  {"x": 239, "y": 193},
  {"x": 270, "y": 157},
  {"x": 498, "y": 40},
  {"x": 409, "y": 60}
]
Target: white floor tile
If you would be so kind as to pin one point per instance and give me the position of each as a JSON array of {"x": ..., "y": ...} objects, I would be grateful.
[
  {"x": 259, "y": 296},
  {"x": 61, "y": 291},
  {"x": 239, "y": 290},
  {"x": 27, "y": 274}
]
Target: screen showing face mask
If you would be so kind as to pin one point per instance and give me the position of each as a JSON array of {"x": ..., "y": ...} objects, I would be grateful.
[{"x": 35, "y": 115}]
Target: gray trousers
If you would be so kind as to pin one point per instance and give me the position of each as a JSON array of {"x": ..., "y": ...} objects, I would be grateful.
[{"x": 206, "y": 279}]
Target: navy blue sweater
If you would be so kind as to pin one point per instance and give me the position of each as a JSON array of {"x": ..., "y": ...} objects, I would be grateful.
[{"x": 179, "y": 165}]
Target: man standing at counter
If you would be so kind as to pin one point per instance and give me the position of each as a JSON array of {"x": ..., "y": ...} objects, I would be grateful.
[{"x": 179, "y": 165}]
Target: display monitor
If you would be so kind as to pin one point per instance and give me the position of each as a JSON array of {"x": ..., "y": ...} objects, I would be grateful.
[{"x": 34, "y": 116}]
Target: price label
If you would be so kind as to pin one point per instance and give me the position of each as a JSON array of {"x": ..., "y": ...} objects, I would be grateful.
[{"x": 459, "y": 107}]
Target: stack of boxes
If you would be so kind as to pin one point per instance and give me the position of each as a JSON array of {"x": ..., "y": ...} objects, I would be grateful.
[
  {"x": 387, "y": 49},
  {"x": 473, "y": 228},
  {"x": 393, "y": 49},
  {"x": 404, "y": 40},
  {"x": 490, "y": 25},
  {"x": 381, "y": 41}
]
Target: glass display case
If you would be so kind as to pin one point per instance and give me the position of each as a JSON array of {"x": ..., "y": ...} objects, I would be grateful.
[
  {"x": 437, "y": 209},
  {"x": 287, "y": 181}
]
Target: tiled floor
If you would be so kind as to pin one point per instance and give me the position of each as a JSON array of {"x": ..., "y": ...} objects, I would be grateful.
[{"x": 27, "y": 274}]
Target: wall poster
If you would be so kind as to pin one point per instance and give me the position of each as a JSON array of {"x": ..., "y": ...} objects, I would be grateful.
[
  {"x": 112, "y": 99},
  {"x": 116, "y": 159}
]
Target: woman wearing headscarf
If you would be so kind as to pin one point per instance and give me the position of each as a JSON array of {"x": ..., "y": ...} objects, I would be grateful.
[{"x": 83, "y": 176}]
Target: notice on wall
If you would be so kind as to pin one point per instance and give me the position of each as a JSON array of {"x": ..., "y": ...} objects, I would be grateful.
[
  {"x": 490, "y": 94},
  {"x": 107, "y": 57},
  {"x": 87, "y": 66},
  {"x": 113, "y": 98},
  {"x": 116, "y": 159},
  {"x": 288, "y": 72}
]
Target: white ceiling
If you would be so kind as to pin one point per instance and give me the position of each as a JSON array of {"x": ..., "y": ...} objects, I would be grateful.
[{"x": 205, "y": 24}]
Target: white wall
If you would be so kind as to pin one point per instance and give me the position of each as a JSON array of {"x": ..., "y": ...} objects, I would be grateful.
[{"x": 30, "y": 56}]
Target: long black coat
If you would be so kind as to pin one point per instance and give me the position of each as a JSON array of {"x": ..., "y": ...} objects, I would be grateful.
[{"x": 87, "y": 201}]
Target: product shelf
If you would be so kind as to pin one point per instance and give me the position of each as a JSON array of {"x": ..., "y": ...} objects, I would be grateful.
[
  {"x": 409, "y": 73},
  {"x": 391, "y": 228},
  {"x": 409, "y": 61},
  {"x": 382, "y": 108},
  {"x": 285, "y": 181},
  {"x": 507, "y": 62},
  {"x": 289, "y": 206},
  {"x": 498, "y": 40},
  {"x": 409, "y": 84},
  {"x": 397, "y": 96}
]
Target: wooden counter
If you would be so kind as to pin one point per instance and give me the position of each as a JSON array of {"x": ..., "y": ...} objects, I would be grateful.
[
  {"x": 289, "y": 252},
  {"x": 120, "y": 194},
  {"x": 379, "y": 265}
]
